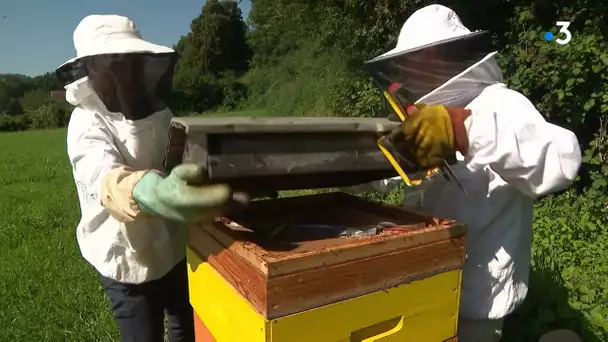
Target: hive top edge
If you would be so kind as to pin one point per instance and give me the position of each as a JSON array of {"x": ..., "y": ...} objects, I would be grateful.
[{"x": 286, "y": 124}]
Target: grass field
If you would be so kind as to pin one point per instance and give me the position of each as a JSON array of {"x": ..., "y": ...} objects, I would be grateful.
[{"x": 47, "y": 291}]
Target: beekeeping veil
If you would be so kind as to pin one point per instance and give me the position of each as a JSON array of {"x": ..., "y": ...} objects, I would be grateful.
[
  {"x": 125, "y": 73},
  {"x": 437, "y": 60}
]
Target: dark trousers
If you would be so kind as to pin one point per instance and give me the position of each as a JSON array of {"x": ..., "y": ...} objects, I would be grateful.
[{"x": 139, "y": 309}]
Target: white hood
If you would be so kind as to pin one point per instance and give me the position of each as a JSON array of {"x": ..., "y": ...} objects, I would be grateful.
[{"x": 79, "y": 93}]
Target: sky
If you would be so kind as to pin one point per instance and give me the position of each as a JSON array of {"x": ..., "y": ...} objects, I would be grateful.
[{"x": 36, "y": 35}]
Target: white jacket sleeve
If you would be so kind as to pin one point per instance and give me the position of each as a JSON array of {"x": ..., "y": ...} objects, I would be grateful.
[
  {"x": 513, "y": 138},
  {"x": 98, "y": 169}
]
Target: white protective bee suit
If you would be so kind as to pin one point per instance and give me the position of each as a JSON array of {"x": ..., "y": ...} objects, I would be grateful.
[
  {"x": 109, "y": 155},
  {"x": 514, "y": 157}
]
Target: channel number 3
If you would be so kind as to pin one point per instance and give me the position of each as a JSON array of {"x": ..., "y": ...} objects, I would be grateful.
[{"x": 563, "y": 28}]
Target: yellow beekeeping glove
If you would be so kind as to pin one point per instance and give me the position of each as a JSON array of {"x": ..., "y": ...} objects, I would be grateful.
[{"x": 432, "y": 134}]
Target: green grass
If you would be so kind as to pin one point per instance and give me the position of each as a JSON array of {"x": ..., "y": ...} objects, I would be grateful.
[{"x": 47, "y": 291}]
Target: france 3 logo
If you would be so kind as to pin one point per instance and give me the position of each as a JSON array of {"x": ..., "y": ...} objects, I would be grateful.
[{"x": 563, "y": 30}]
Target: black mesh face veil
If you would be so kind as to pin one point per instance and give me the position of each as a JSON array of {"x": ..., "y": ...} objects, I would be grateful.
[
  {"x": 408, "y": 76},
  {"x": 136, "y": 84}
]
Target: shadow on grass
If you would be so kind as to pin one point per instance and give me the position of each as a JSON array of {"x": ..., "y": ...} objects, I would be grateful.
[{"x": 546, "y": 308}]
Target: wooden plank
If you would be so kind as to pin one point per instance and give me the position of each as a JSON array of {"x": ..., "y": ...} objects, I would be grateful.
[
  {"x": 298, "y": 292},
  {"x": 275, "y": 264},
  {"x": 343, "y": 254},
  {"x": 343, "y": 201},
  {"x": 245, "y": 278},
  {"x": 230, "y": 166},
  {"x": 313, "y": 180},
  {"x": 291, "y": 124},
  {"x": 246, "y": 250},
  {"x": 274, "y": 267},
  {"x": 284, "y": 161},
  {"x": 423, "y": 311},
  {"x": 392, "y": 211}
]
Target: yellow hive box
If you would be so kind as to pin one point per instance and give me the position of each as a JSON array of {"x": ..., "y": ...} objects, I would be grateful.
[{"x": 422, "y": 311}]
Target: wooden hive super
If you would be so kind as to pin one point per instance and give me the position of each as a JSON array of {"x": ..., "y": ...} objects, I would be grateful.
[
  {"x": 281, "y": 153},
  {"x": 295, "y": 271}
]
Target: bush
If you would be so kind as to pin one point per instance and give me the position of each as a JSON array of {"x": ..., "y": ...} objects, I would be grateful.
[
  {"x": 567, "y": 83},
  {"x": 568, "y": 285},
  {"x": 50, "y": 115},
  {"x": 303, "y": 83},
  {"x": 196, "y": 92},
  {"x": 234, "y": 91},
  {"x": 14, "y": 123},
  {"x": 356, "y": 96}
]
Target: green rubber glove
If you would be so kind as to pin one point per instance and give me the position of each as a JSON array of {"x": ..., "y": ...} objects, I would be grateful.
[{"x": 174, "y": 199}]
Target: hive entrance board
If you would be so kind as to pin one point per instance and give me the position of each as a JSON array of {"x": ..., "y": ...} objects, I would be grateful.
[{"x": 296, "y": 271}]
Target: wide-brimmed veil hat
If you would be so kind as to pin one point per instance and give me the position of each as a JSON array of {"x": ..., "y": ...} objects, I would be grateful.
[
  {"x": 458, "y": 56},
  {"x": 104, "y": 35},
  {"x": 428, "y": 25},
  {"x": 110, "y": 34}
]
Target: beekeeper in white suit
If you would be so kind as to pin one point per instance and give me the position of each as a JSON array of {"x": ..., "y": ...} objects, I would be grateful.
[
  {"x": 131, "y": 212},
  {"x": 509, "y": 155}
]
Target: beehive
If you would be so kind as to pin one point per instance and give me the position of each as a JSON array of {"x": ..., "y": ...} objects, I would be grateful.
[
  {"x": 409, "y": 276},
  {"x": 249, "y": 283}
]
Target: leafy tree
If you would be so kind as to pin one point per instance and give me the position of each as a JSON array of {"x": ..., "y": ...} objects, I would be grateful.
[
  {"x": 215, "y": 45},
  {"x": 25, "y": 103},
  {"x": 11, "y": 88},
  {"x": 49, "y": 115},
  {"x": 34, "y": 99}
]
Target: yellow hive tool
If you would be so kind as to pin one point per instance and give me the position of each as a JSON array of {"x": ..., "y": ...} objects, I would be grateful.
[{"x": 399, "y": 161}]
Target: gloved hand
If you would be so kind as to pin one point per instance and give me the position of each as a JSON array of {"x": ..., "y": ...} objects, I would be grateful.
[
  {"x": 432, "y": 133},
  {"x": 174, "y": 199}
]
